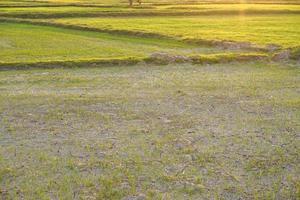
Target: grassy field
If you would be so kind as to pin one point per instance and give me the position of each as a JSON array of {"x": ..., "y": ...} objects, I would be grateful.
[
  {"x": 49, "y": 11},
  {"x": 173, "y": 8},
  {"x": 21, "y": 43},
  {"x": 151, "y": 2},
  {"x": 170, "y": 100},
  {"x": 282, "y": 30},
  {"x": 173, "y": 132}
]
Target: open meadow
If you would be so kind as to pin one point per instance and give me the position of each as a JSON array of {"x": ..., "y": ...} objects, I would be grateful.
[{"x": 169, "y": 100}]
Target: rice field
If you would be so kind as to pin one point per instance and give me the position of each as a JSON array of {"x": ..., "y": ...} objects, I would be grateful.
[
  {"x": 283, "y": 30},
  {"x": 23, "y": 43}
]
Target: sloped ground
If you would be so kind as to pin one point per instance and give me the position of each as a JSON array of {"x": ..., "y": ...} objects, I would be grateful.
[{"x": 151, "y": 132}]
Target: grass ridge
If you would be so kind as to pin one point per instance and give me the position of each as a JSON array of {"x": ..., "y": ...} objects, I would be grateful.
[{"x": 163, "y": 60}]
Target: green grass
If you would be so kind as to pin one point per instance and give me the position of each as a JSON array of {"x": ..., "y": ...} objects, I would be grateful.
[
  {"x": 154, "y": 132},
  {"x": 199, "y": 8},
  {"x": 56, "y": 2},
  {"x": 21, "y": 43},
  {"x": 148, "y": 131},
  {"x": 232, "y": 7},
  {"x": 259, "y": 29},
  {"x": 110, "y": 2},
  {"x": 62, "y": 9}
]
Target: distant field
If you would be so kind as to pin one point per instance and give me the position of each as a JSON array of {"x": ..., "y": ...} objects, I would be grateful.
[
  {"x": 30, "y": 43},
  {"x": 201, "y": 8},
  {"x": 60, "y": 11},
  {"x": 259, "y": 24},
  {"x": 118, "y": 2},
  {"x": 260, "y": 29},
  {"x": 52, "y": 2},
  {"x": 243, "y": 6}
]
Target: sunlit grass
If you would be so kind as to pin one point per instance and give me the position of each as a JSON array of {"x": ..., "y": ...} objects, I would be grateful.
[
  {"x": 260, "y": 29},
  {"x": 30, "y": 43},
  {"x": 200, "y": 8}
]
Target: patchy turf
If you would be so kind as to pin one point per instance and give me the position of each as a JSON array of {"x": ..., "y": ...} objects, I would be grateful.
[{"x": 151, "y": 132}]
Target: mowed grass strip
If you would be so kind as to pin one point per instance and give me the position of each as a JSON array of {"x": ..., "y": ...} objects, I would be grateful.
[
  {"x": 22, "y": 43},
  {"x": 282, "y": 29}
]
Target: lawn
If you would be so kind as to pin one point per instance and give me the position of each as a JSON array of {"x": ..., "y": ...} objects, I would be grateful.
[{"x": 151, "y": 132}]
